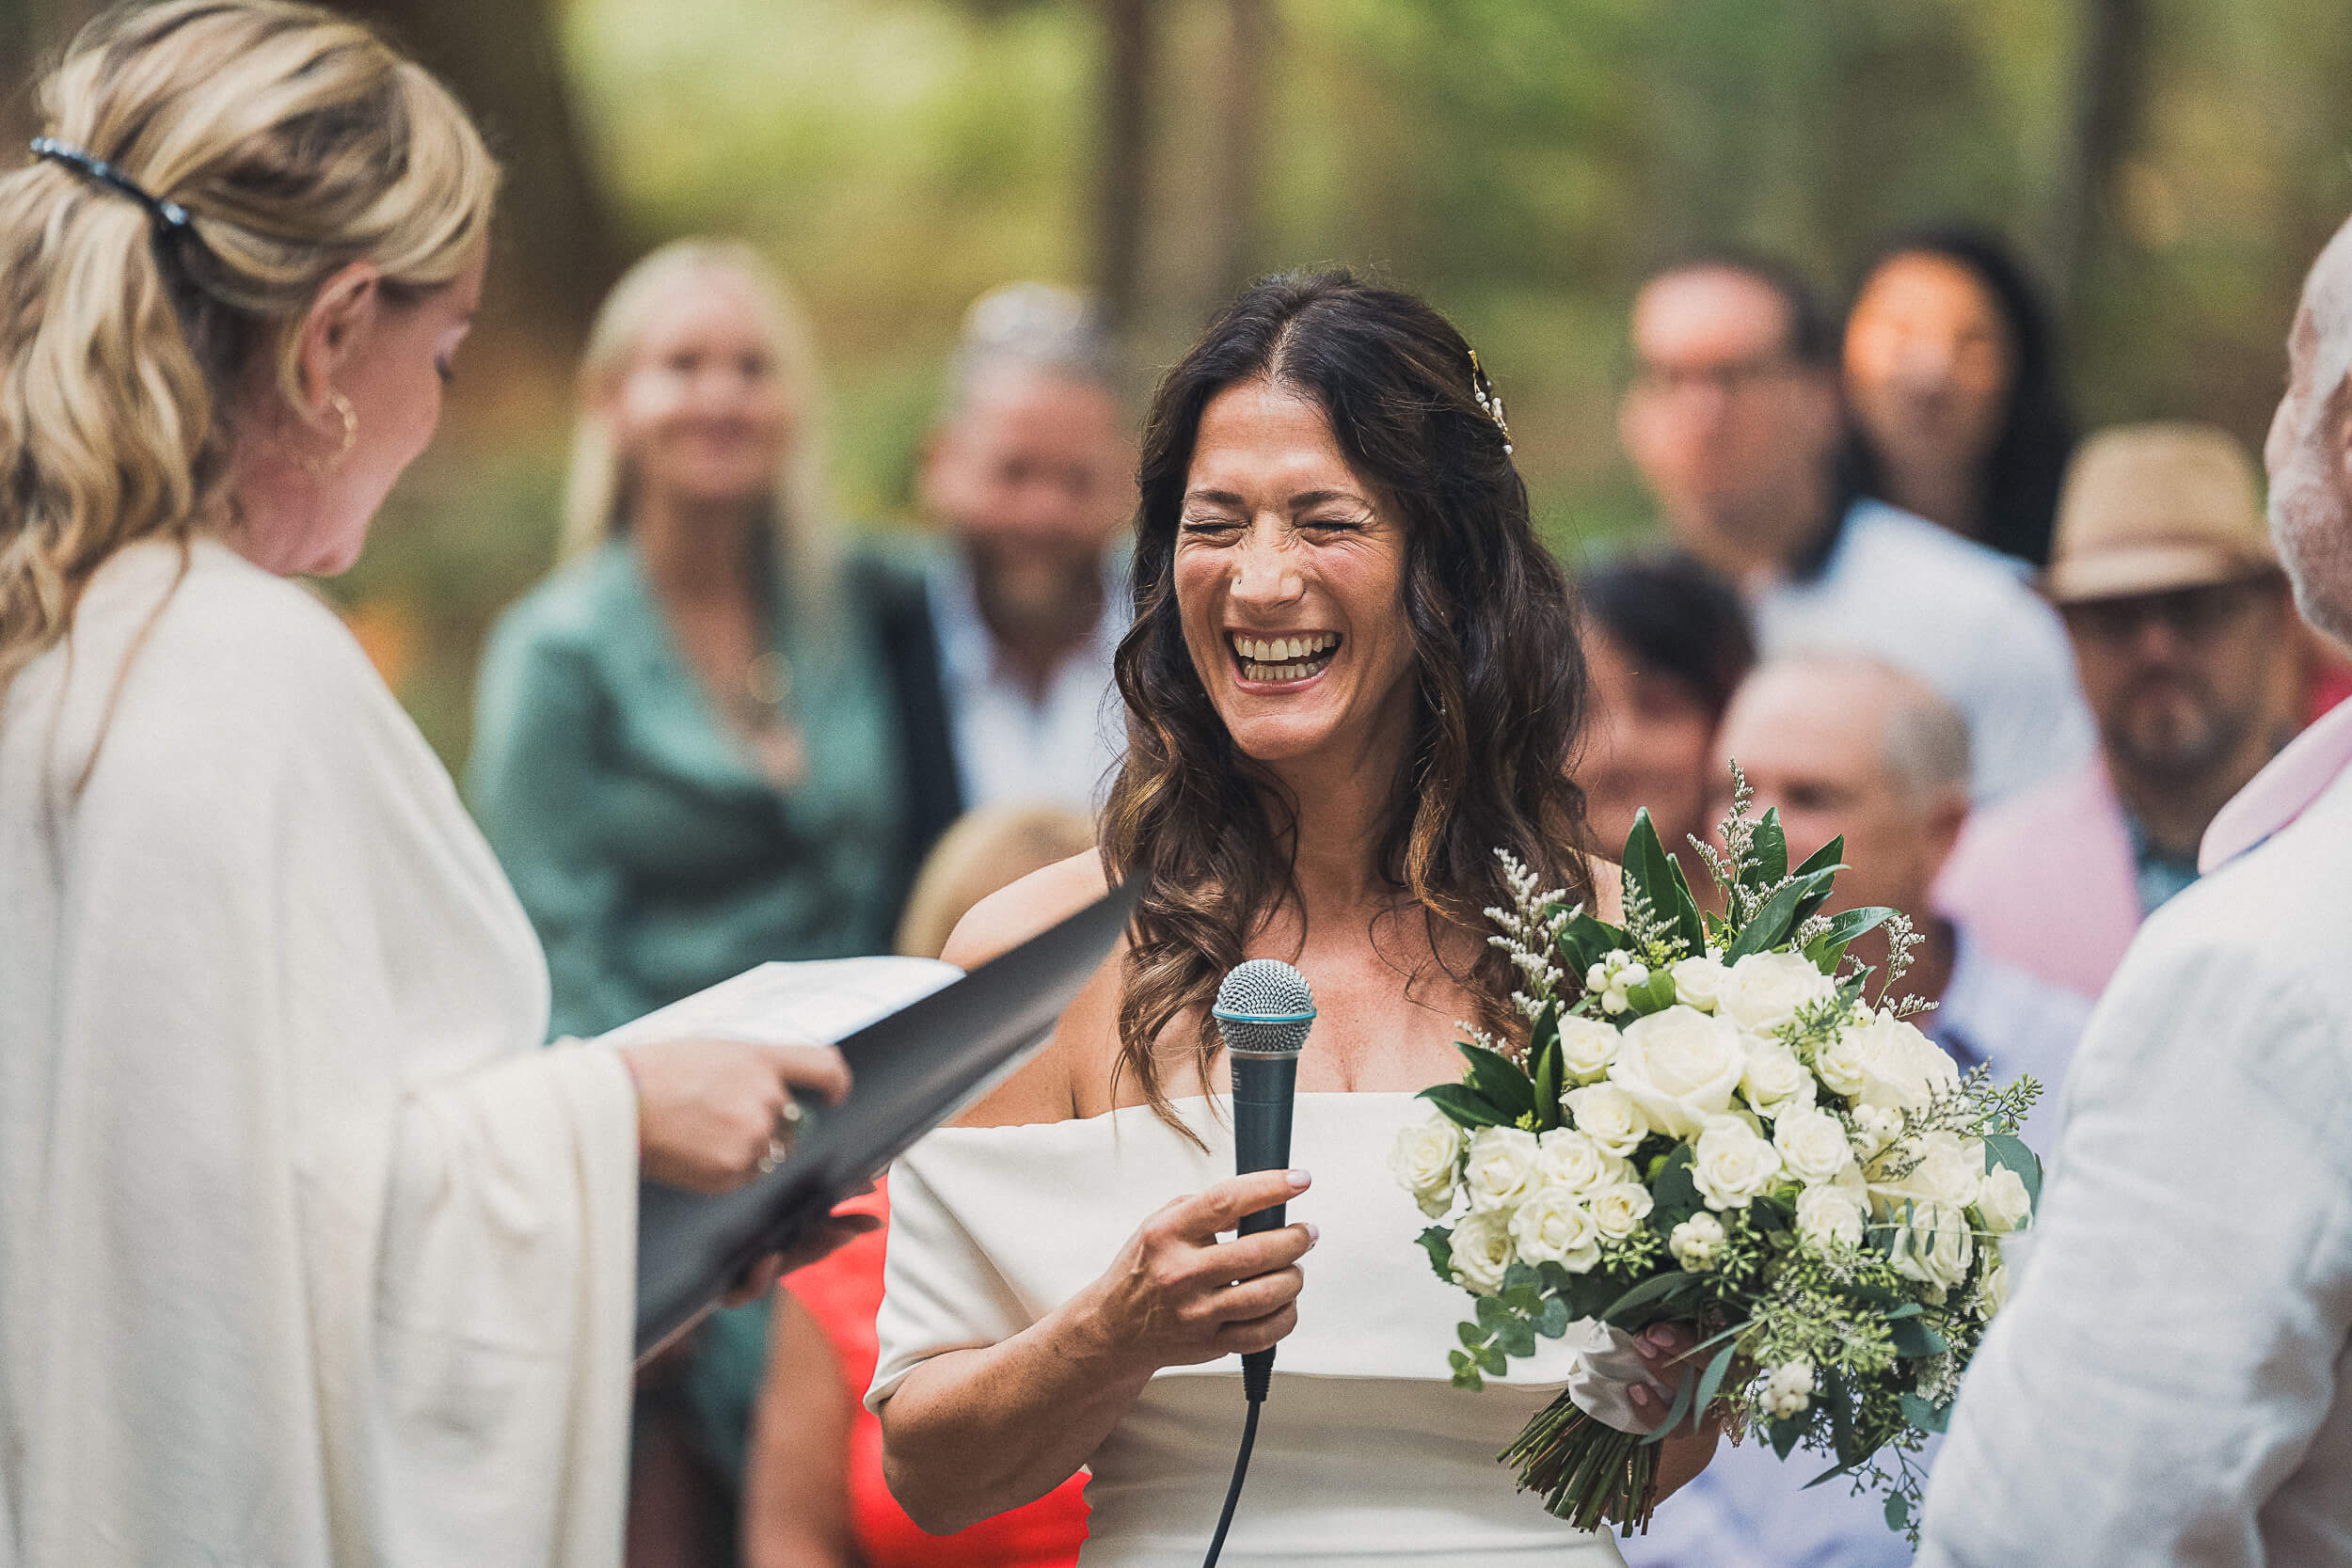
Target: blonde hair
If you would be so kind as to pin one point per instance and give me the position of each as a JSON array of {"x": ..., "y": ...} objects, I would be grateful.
[
  {"x": 988, "y": 849},
  {"x": 299, "y": 142},
  {"x": 598, "y": 493}
]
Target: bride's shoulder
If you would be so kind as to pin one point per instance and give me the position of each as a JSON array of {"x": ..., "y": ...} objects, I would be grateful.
[
  {"x": 1045, "y": 1089},
  {"x": 1608, "y": 888}
]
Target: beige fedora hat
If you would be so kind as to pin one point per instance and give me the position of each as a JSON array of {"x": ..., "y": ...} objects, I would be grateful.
[{"x": 2151, "y": 508}]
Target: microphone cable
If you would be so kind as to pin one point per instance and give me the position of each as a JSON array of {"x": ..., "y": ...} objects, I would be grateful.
[{"x": 1253, "y": 1388}]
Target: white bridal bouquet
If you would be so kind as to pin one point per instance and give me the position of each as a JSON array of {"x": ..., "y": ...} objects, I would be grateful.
[{"x": 1715, "y": 1123}]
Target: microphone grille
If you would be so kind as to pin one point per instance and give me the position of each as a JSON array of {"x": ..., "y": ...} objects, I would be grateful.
[{"x": 1264, "y": 1009}]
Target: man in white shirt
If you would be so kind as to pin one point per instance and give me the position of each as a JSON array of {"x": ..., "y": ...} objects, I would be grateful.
[
  {"x": 1736, "y": 421},
  {"x": 1842, "y": 744},
  {"x": 1030, "y": 475},
  {"x": 2168, "y": 1385}
]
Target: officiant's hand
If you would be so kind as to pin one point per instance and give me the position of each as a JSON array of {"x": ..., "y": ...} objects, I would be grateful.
[
  {"x": 708, "y": 1110},
  {"x": 1178, "y": 1296}
]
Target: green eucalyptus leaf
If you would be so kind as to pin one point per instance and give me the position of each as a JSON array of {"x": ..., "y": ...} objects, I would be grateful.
[
  {"x": 1555, "y": 1320},
  {"x": 1784, "y": 1433},
  {"x": 1845, "y": 1437},
  {"x": 2004, "y": 1149},
  {"x": 1898, "y": 1512},
  {"x": 1658, "y": 1296},
  {"x": 1915, "y": 1338},
  {"x": 1471, "y": 1336},
  {"x": 1925, "y": 1415},
  {"x": 1711, "y": 1382},
  {"x": 1491, "y": 1313},
  {"x": 1518, "y": 1337},
  {"x": 1493, "y": 1362}
]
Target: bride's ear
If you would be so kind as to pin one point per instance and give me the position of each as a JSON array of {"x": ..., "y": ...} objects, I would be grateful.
[{"x": 342, "y": 316}]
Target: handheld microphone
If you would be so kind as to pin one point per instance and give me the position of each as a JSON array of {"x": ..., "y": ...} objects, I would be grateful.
[{"x": 1264, "y": 1011}]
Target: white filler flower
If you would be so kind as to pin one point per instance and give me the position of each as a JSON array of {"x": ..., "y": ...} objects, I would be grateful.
[
  {"x": 1763, "y": 990},
  {"x": 1698, "y": 1243},
  {"x": 1501, "y": 1167},
  {"x": 1551, "y": 1226},
  {"x": 1681, "y": 1065},
  {"x": 1423, "y": 1159},
  {"x": 1789, "y": 1389},
  {"x": 1608, "y": 1115},
  {"x": 1481, "y": 1250},
  {"x": 1731, "y": 1165}
]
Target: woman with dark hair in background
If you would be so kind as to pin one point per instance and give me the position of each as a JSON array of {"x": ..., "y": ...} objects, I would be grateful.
[
  {"x": 1353, "y": 676},
  {"x": 1959, "y": 408},
  {"x": 1667, "y": 642}
]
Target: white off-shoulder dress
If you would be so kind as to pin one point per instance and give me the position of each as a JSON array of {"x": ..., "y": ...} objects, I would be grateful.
[{"x": 1366, "y": 1453}]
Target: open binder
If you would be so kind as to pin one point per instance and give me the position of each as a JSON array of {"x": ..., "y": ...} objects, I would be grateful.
[{"x": 923, "y": 1042}]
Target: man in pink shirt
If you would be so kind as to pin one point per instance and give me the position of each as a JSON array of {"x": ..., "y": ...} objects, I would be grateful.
[{"x": 2191, "y": 658}]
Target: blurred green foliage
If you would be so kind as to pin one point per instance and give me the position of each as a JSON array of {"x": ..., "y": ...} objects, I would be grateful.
[{"x": 1520, "y": 162}]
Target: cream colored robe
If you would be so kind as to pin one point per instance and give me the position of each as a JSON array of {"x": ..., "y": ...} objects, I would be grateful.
[{"x": 309, "y": 1254}]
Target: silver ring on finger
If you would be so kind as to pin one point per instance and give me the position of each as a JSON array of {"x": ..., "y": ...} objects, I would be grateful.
[{"x": 779, "y": 1141}]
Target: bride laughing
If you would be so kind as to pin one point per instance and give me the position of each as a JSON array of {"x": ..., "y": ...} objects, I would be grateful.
[{"x": 1353, "y": 676}]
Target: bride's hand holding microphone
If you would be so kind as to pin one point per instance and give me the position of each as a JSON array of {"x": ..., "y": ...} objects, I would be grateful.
[{"x": 1177, "y": 1295}]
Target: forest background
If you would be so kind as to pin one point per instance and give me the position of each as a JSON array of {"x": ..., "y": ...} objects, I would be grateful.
[{"x": 2169, "y": 166}]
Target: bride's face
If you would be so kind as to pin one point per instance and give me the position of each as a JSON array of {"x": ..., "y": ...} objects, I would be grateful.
[{"x": 1289, "y": 575}]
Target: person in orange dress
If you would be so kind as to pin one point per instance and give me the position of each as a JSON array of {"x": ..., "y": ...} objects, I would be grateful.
[{"x": 812, "y": 1490}]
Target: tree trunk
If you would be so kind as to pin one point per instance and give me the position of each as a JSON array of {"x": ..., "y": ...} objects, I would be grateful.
[
  {"x": 557, "y": 249},
  {"x": 1130, "y": 53},
  {"x": 1249, "y": 44},
  {"x": 2111, "y": 83}
]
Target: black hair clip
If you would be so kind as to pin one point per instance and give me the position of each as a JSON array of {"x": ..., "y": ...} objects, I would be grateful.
[{"x": 171, "y": 218}]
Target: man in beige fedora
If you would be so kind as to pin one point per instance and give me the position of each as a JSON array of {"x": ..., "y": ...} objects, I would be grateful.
[{"x": 2192, "y": 660}]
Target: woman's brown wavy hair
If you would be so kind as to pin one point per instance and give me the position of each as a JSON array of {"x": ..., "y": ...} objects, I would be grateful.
[{"x": 1498, "y": 700}]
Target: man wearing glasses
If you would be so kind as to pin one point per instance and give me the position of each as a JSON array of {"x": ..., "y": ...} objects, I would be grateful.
[
  {"x": 2186, "y": 641},
  {"x": 1734, "y": 419}
]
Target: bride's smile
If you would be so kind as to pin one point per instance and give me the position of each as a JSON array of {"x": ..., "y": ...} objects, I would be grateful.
[{"x": 1289, "y": 575}]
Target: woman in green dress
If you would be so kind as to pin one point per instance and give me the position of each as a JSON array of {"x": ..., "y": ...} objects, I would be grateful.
[{"x": 707, "y": 740}]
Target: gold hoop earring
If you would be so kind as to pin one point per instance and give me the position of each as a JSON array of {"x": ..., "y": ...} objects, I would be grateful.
[{"x": 349, "y": 417}]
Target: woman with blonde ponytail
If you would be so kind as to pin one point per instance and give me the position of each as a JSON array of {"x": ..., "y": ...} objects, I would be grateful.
[{"x": 307, "y": 1253}]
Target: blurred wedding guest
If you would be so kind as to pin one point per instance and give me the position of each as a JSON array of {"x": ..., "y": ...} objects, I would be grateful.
[
  {"x": 698, "y": 744},
  {"x": 1952, "y": 374},
  {"x": 1029, "y": 474},
  {"x": 1845, "y": 745},
  {"x": 814, "y": 1491},
  {"x": 1667, "y": 642},
  {"x": 2185, "y": 634},
  {"x": 2170, "y": 1384},
  {"x": 1736, "y": 421},
  {"x": 308, "y": 1253}
]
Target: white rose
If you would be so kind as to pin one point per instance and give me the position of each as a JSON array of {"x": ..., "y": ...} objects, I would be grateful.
[
  {"x": 1732, "y": 1165},
  {"x": 1699, "y": 983},
  {"x": 1588, "y": 1046},
  {"x": 2003, "y": 1201},
  {"x": 1944, "y": 1168},
  {"x": 1839, "y": 1063},
  {"x": 1618, "y": 1211},
  {"x": 1502, "y": 1166},
  {"x": 1551, "y": 1226},
  {"x": 1763, "y": 990},
  {"x": 1775, "y": 1081},
  {"x": 1608, "y": 1115},
  {"x": 1789, "y": 1392},
  {"x": 1894, "y": 1066},
  {"x": 1423, "y": 1159},
  {"x": 1813, "y": 1145},
  {"x": 1698, "y": 1243},
  {"x": 1830, "y": 1214},
  {"x": 1933, "y": 1243},
  {"x": 1681, "y": 1065},
  {"x": 1481, "y": 1250},
  {"x": 1572, "y": 1160},
  {"x": 1993, "y": 1291}
]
